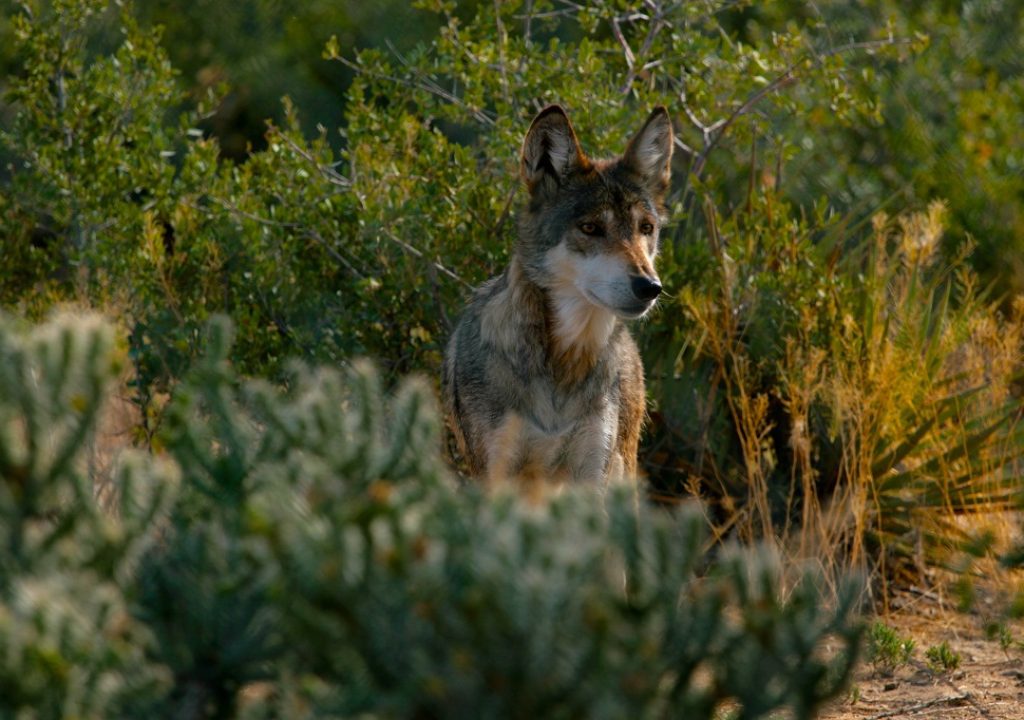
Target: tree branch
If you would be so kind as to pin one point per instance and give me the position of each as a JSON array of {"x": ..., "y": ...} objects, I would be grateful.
[
  {"x": 329, "y": 173},
  {"x": 419, "y": 253},
  {"x": 425, "y": 84}
]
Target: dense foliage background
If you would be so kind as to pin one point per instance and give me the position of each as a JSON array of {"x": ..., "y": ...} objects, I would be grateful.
[{"x": 834, "y": 370}]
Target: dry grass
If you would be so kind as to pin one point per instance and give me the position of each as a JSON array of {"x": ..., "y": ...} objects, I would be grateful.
[{"x": 886, "y": 416}]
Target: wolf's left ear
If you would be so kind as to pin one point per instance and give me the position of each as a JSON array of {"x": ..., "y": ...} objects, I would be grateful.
[
  {"x": 649, "y": 153},
  {"x": 550, "y": 150}
]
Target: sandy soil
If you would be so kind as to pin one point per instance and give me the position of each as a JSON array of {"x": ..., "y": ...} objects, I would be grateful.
[{"x": 989, "y": 683}]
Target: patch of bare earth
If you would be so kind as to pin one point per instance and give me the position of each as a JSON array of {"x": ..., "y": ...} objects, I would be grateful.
[{"x": 988, "y": 684}]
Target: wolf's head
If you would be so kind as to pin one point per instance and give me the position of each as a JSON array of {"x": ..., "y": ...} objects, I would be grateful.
[{"x": 589, "y": 234}]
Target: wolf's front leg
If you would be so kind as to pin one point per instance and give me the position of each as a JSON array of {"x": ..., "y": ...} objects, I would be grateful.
[
  {"x": 504, "y": 449},
  {"x": 590, "y": 453}
]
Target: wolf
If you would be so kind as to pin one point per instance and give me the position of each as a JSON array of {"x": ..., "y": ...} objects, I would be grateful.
[{"x": 542, "y": 382}]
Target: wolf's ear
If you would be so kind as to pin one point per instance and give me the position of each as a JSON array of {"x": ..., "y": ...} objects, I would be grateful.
[
  {"x": 550, "y": 149},
  {"x": 649, "y": 153}
]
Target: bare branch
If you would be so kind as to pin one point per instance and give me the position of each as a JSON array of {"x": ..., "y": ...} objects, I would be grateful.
[
  {"x": 626, "y": 50},
  {"x": 705, "y": 130},
  {"x": 502, "y": 43},
  {"x": 714, "y": 133},
  {"x": 332, "y": 251},
  {"x": 419, "y": 253},
  {"x": 719, "y": 128},
  {"x": 573, "y": 6},
  {"x": 678, "y": 141},
  {"x": 505, "y": 213},
  {"x": 235, "y": 210},
  {"x": 527, "y": 23},
  {"x": 656, "y": 22},
  {"x": 427, "y": 86},
  {"x": 526, "y": 17},
  {"x": 330, "y": 174}
]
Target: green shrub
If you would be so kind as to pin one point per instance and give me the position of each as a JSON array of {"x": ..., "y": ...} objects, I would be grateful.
[
  {"x": 942, "y": 658},
  {"x": 887, "y": 650},
  {"x": 313, "y": 252},
  {"x": 999, "y": 630},
  {"x": 947, "y": 119}
]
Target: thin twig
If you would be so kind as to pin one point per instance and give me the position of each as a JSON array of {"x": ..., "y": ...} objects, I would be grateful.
[
  {"x": 950, "y": 700},
  {"x": 527, "y": 23},
  {"x": 505, "y": 213},
  {"x": 719, "y": 129},
  {"x": 430, "y": 85},
  {"x": 419, "y": 253},
  {"x": 626, "y": 50},
  {"x": 678, "y": 141},
  {"x": 655, "y": 25},
  {"x": 502, "y": 42},
  {"x": 231, "y": 207},
  {"x": 434, "y": 291},
  {"x": 318, "y": 238},
  {"x": 571, "y": 5},
  {"x": 329, "y": 173},
  {"x": 546, "y": 15},
  {"x": 478, "y": 115}
]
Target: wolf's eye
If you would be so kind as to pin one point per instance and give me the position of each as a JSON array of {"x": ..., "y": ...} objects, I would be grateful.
[
  {"x": 646, "y": 228},
  {"x": 589, "y": 228}
]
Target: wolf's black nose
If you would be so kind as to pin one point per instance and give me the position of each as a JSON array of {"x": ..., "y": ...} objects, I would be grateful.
[{"x": 645, "y": 288}]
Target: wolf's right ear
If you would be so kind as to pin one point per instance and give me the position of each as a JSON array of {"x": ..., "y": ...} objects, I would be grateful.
[
  {"x": 550, "y": 150},
  {"x": 649, "y": 154}
]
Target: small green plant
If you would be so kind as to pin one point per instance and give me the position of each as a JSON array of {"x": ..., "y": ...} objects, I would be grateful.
[
  {"x": 853, "y": 694},
  {"x": 887, "y": 650},
  {"x": 942, "y": 658},
  {"x": 997, "y": 630}
]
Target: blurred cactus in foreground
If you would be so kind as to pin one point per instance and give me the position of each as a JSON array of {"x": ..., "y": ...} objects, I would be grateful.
[
  {"x": 305, "y": 554},
  {"x": 69, "y": 646}
]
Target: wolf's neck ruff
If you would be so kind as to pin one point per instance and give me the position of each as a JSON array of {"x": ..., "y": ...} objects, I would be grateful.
[
  {"x": 541, "y": 378},
  {"x": 578, "y": 328},
  {"x": 570, "y": 330}
]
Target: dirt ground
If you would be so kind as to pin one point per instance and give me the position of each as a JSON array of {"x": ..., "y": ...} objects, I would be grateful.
[{"x": 988, "y": 684}]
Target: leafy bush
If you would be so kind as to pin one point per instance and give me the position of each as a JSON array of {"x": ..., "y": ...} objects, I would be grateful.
[
  {"x": 946, "y": 125},
  {"x": 306, "y": 554},
  {"x": 941, "y": 124},
  {"x": 844, "y": 388},
  {"x": 369, "y": 251}
]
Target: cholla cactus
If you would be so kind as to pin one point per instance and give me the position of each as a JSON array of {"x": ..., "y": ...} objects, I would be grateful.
[
  {"x": 68, "y": 645},
  {"x": 462, "y": 604},
  {"x": 306, "y": 554},
  {"x": 52, "y": 382}
]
